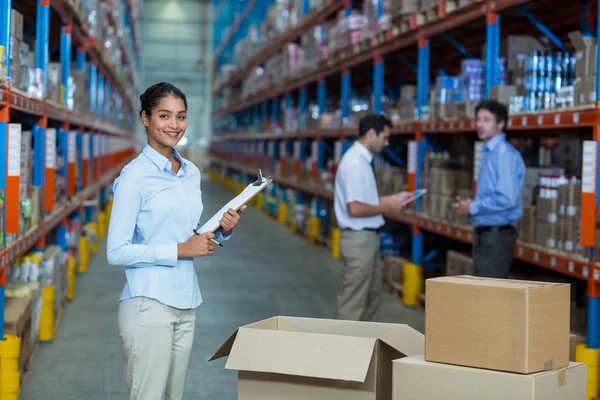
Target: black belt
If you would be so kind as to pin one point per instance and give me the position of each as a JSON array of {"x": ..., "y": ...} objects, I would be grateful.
[
  {"x": 377, "y": 230},
  {"x": 500, "y": 228}
]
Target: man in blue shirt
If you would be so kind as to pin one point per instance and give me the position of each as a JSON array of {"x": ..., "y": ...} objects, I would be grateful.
[{"x": 497, "y": 206}]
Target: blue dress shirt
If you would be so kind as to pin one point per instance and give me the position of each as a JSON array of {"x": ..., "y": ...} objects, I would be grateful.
[
  {"x": 501, "y": 176},
  {"x": 154, "y": 209}
]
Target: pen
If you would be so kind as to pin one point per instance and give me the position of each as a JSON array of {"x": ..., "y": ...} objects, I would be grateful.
[{"x": 215, "y": 242}]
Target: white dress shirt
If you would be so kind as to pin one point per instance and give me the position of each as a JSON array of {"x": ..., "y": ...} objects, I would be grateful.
[
  {"x": 355, "y": 181},
  {"x": 154, "y": 209}
]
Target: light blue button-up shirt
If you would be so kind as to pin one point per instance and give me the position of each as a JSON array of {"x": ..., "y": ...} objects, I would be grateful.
[
  {"x": 501, "y": 176},
  {"x": 154, "y": 209}
]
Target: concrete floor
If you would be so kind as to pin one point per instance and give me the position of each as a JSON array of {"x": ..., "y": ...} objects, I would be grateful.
[{"x": 241, "y": 284}]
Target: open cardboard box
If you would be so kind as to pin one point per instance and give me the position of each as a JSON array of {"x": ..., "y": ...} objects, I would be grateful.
[{"x": 306, "y": 358}]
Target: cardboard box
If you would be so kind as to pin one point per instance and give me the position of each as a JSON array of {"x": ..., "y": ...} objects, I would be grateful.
[
  {"x": 526, "y": 225},
  {"x": 513, "y": 326},
  {"x": 515, "y": 47},
  {"x": 547, "y": 210},
  {"x": 531, "y": 183},
  {"x": 585, "y": 54},
  {"x": 393, "y": 270},
  {"x": 589, "y": 90},
  {"x": 459, "y": 263},
  {"x": 417, "y": 379},
  {"x": 308, "y": 358},
  {"x": 546, "y": 234},
  {"x": 503, "y": 93}
]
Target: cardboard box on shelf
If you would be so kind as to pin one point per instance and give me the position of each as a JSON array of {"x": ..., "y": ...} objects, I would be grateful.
[
  {"x": 503, "y": 93},
  {"x": 547, "y": 209},
  {"x": 531, "y": 182},
  {"x": 317, "y": 358},
  {"x": 451, "y": 382},
  {"x": 514, "y": 47},
  {"x": 589, "y": 90},
  {"x": 526, "y": 225},
  {"x": 514, "y": 326},
  {"x": 392, "y": 268},
  {"x": 585, "y": 54},
  {"x": 546, "y": 234},
  {"x": 458, "y": 263},
  {"x": 16, "y": 26}
]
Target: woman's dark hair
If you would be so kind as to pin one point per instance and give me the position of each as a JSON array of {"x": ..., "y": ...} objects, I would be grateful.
[{"x": 151, "y": 97}]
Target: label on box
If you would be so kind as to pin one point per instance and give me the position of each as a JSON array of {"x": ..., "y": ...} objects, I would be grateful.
[
  {"x": 551, "y": 243},
  {"x": 552, "y": 218},
  {"x": 86, "y": 146},
  {"x": 569, "y": 245},
  {"x": 50, "y": 148},
  {"x": 588, "y": 170},
  {"x": 14, "y": 149},
  {"x": 71, "y": 146},
  {"x": 412, "y": 157}
]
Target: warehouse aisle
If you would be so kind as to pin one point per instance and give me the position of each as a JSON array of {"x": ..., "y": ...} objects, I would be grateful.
[{"x": 242, "y": 283}]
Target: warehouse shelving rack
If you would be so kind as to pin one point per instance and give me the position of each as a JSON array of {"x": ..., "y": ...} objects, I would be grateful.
[
  {"x": 92, "y": 144},
  {"x": 406, "y": 35}
]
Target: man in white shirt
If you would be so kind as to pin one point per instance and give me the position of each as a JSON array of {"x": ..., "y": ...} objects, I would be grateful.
[{"x": 359, "y": 211}]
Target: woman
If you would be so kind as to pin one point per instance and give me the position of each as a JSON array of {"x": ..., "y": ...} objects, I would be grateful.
[{"x": 157, "y": 204}]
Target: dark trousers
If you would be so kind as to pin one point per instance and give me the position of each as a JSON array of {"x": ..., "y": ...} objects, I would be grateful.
[{"x": 493, "y": 251}]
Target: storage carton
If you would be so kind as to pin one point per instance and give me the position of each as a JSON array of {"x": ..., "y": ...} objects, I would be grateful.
[
  {"x": 585, "y": 54},
  {"x": 503, "y": 93},
  {"x": 526, "y": 225},
  {"x": 450, "y": 382},
  {"x": 546, "y": 234},
  {"x": 459, "y": 263},
  {"x": 499, "y": 324},
  {"x": 306, "y": 358}
]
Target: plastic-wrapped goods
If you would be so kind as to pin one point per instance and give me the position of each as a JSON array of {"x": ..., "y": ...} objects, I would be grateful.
[
  {"x": 472, "y": 79},
  {"x": 447, "y": 89},
  {"x": 314, "y": 46},
  {"x": 373, "y": 24},
  {"x": 545, "y": 74},
  {"x": 294, "y": 56}
]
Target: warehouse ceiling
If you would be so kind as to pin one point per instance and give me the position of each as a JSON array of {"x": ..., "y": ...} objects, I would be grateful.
[{"x": 176, "y": 34}]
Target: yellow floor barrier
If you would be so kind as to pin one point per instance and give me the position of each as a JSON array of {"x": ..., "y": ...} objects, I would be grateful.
[
  {"x": 412, "y": 282},
  {"x": 336, "y": 233},
  {"x": 591, "y": 357},
  {"x": 314, "y": 227},
  {"x": 282, "y": 212},
  {"x": 71, "y": 268},
  {"x": 101, "y": 225},
  {"x": 47, "y": 318},
  {"x": 84, "y": 254}
]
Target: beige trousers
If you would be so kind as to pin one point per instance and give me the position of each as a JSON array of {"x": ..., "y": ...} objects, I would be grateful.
[
  {"x": 157, "y": 342},
  {"x": 361, "y": 285}
]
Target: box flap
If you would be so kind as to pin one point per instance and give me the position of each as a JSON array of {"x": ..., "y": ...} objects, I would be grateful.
[
  {"x": 406, "y": 340},
  {"x": 581, "y": 42},
  {"x": 302, "y": 354},
  {"x": 494, "y": 282},
  {"x": 225, "y": 349}
]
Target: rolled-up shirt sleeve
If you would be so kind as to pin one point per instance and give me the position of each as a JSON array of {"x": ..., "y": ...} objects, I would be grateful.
[{"x": 128, "y": 198}]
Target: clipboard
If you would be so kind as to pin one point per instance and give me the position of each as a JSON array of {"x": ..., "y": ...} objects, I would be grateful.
[{"x": 213, "y": 224}]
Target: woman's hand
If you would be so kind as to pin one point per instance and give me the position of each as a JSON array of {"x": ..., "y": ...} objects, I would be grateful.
[
  {"x": 230, "y": 220},
  {"x": 197, "y": 246}
]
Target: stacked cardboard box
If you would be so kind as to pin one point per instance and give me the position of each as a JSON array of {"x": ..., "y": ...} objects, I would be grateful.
[
  {"x": 444, "y": 184},
  {"x": 569, "y": 216},
  {"x": 585, "y": 67},
  {"x": 547, "y": 227},
  {"x": 458, "y": 263},
  {"x": 308, "y": 358},
  {"x": 390, "y": 180},
  {"x": 513, "y": 342}
]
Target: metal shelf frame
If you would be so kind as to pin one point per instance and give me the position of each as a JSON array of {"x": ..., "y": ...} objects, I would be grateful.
[
  {"x": 408, "y": 35},
  {"x": 105, "y": 155}
]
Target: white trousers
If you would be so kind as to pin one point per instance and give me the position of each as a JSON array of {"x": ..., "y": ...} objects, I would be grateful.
[{"x": 157, "y": 343}]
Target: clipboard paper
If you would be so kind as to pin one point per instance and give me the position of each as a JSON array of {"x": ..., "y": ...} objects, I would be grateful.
[{"x": 236, "y": 203}]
